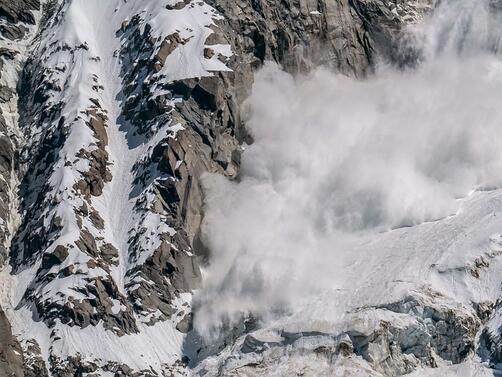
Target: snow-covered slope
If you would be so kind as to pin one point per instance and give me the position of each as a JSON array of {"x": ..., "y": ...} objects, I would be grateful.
[
  {"x": 328, "y": 248},
  {"x": 97, "y": 262}
]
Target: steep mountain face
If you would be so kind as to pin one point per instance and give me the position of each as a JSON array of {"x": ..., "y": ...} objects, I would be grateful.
[
  {"x": 111, "y": 114},
  {"x": 18, "y": 24},
  {"x": 363, "y": 247}
]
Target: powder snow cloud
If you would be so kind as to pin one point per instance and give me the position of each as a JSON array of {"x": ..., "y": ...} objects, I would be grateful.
[{"x": 334, "y": 157}]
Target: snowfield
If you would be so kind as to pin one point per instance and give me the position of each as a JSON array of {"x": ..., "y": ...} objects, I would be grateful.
[{"x": 80, "y": 50}]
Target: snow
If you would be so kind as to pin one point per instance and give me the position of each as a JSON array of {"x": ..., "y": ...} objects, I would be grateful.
[
  {"x": 91, "y": 26},
  {"x": 98, "y": 344},
  {"x": 214, "y": 63},
  {"x": 11, "y": 70},
  {"x": 468, "y": 369},
  {"x": 431, "y": 257},
  {"x": 307, "y": 240},
  {"x": 174, "y": 129}
]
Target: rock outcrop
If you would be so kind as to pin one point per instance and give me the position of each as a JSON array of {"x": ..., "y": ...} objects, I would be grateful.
[
  {"x": 11, "y": 359},
  {"x": 17, "y": 28},
  {"x": 18, "y": 19}
]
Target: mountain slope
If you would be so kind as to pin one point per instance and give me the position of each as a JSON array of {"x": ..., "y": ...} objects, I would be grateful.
[
  {"x": 363, "y": 235},
  {"x": 113, "y": 114},
  {"x": 96, "y": 255}
]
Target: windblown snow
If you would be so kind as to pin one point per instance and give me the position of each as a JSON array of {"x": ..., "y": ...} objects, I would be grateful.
[{"x": 356, "y": 194}]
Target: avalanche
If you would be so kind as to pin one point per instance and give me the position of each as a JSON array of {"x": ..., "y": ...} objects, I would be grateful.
[
  {"x": 366, "y": 216},
  {"x": 359, "y": 234}
]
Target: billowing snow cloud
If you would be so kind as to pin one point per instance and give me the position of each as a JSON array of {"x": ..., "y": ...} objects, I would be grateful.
[{"x": 334, "y": 158}]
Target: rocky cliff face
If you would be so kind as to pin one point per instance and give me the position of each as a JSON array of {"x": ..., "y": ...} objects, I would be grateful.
[
  {"x": 18, "y": 26},
  {"x": 111, "y": 112}
]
